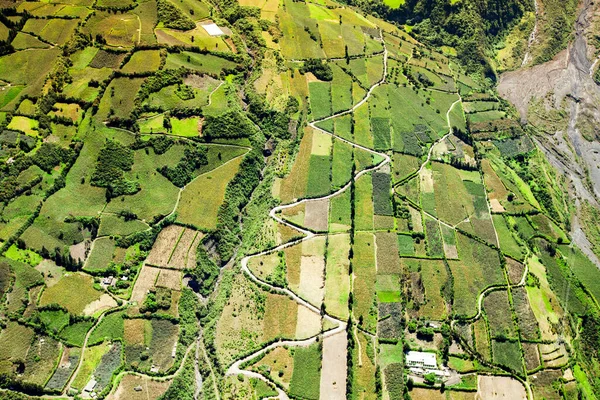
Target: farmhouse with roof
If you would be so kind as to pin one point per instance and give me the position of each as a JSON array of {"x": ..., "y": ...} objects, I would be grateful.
[{"x": 419, "y": 359}]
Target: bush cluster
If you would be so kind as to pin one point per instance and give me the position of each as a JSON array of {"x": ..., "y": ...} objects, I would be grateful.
[
  {"x": 319, "y": 69},
  {"x": 193, "y": 158},
  {"x": 113, "y": 160},
  {"x": 172, "y": 17}
]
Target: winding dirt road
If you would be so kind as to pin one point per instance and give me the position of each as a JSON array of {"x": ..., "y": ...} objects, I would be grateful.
[{"x": 235, "y": 368}]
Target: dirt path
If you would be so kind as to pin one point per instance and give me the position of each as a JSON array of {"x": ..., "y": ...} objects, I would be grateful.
[
  {"x": 197, "y": 373},
  {"x": 85, "y": 341},
  {"x": 139, "y": 29},
  {"x": 235, "y": 368},
  {"x": 190, "y": 182}
]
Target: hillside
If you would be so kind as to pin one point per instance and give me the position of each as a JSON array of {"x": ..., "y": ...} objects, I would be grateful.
[{"x": 298, "y": 199}]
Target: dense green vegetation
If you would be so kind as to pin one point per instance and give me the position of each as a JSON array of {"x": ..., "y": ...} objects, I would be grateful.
[
  {"x": 142, "y": 157},
  {"x": 172, "y": 17},
  {"x": 114, "y": 159}
]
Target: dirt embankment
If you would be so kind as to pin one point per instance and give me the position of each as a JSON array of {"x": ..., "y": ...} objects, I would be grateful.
[{"x": 566, "y": 84}]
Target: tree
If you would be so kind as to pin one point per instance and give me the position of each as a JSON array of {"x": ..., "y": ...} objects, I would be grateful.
[{"x": 429, "y": 378}]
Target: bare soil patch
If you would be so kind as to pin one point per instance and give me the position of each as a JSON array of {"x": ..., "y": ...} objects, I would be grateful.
[
  {"x": 316, "y": 217},
  {"x": 181, "y": 255},
  {"x": 170, "y": 279},
  {"x": 312, "y": 283},
  {"x": 202, "y": 82},
  {"x": 426, "y": 178},
  {"x": 150, "y": 389},
  {"x": 308, "y": 323},
  {"x": 496, "y": 206},
  {"x": 163, "y": 246},
  {"x": 52, "y": 272},
  {"x": 333, "y": 371},
  {"x": 554, "y": 355},
  {"x": 103, "y": 303},
  {"x": 144, "y": 283},
  {"x": 520, "y": 86},
  {"x": 499, "y": 387},
  {"x": 79, "y": 251},
  {"x": 451, "y": 251}
]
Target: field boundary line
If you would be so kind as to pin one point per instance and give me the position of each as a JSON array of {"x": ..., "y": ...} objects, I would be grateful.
[{"x": 235, "y": 369}]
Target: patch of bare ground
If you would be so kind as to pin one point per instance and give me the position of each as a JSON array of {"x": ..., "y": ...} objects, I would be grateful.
[
  {"x": 456, "y": 348},
  {"x": 164, "y": 245},
  {"x": 499, "y": 387},
  {"x": 144, "y": 283},
  {"x": 515, "y": 270},
  {"x": 52, "y": 272},
  {"x": 79, "y": 251},
  {"x": 496, "y": 206},
  {"x": 202, "y": 82},
  {"x": 134, "y": 387},
  {"x": 333, "y": 371},
  {"x": 308, "y": 323},
  {"x": 103, "y": 303},
  {"x": 451, "y": 251},
  {"x": 554, "y": 355},
  {"x": 532, "y": 356},
  {"x": 180, "y": 257},
  {"x": 312, "y": 283},
  {"x": 316, "y": 217},
  {"x": 170, "y": 279}
]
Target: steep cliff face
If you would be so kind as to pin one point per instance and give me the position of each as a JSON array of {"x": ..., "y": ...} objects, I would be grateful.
[{"x": 561, "y": 102}]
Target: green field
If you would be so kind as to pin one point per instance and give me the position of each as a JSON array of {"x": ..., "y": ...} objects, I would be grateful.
[
  {"x": 101, "y": 255},
  {"x": 151, "y": 150},
  {"x": 307, "y": 372},
  {"x": 74, "y": 292},
  {"x": 320, "y": 99},
  {"x": 479, "y": 267},
  {"x": 199, "y": 206}
]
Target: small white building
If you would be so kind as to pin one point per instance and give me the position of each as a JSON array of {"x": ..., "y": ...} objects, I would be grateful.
[
  {"x": 90, "y": 385},
  {"x": 213, "y": 29},
  {"x": 419, "y": 359}
]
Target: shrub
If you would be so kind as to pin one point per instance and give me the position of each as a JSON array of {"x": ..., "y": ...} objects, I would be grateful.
[
  {"x": 114, "y": 158},
  {"x": 232, "y": 124},
  {"x": 183, "y": 172},
  {"x": 321, "y": 70},
  {"x": 173, "y": 17},
  {"x": 50, "y": 155}
]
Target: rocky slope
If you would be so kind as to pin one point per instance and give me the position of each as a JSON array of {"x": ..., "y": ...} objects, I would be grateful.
[{"x": 561, "y": 101}]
